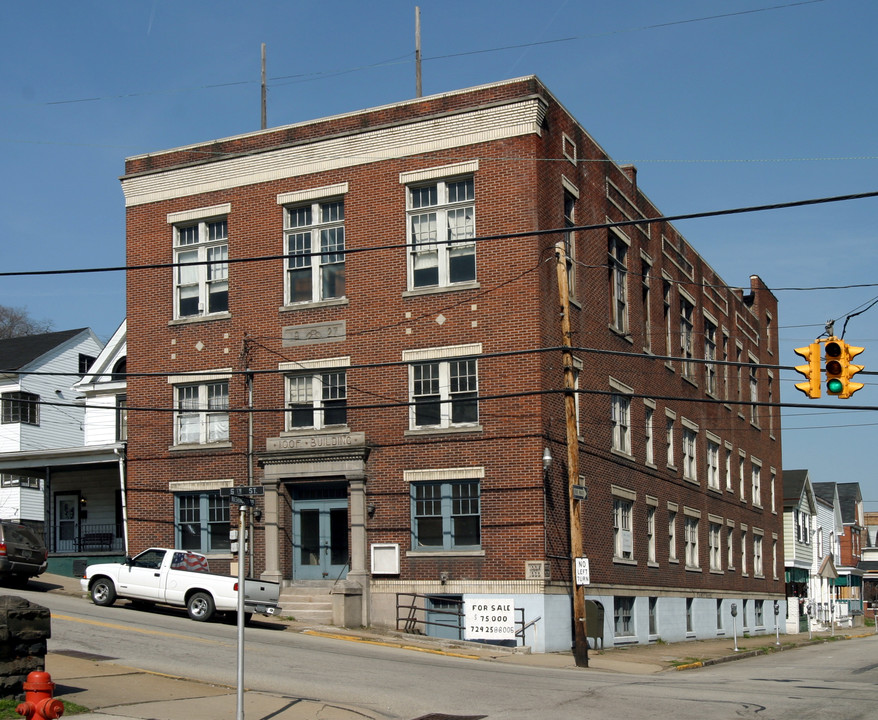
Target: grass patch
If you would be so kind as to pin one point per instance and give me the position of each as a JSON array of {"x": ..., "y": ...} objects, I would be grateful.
[
  {"x": 686, "y": 661},
  {"x": 8, "y": 705}
]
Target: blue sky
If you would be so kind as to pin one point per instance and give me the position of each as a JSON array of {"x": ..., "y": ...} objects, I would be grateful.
[{"x": 722, "y": 104}]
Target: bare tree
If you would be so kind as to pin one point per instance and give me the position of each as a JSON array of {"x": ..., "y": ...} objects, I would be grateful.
[{"x": 16, "y": 322}]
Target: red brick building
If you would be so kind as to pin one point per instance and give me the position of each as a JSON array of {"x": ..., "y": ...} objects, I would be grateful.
[{"x": 375, "y": 295}]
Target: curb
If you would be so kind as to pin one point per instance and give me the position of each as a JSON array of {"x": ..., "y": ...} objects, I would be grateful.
[
  {"x": 385, "y": 643},
  {"x": 762, "y": 651}
]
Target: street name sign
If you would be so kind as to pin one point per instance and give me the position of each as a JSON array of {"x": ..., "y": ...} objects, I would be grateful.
[{"x": 242, "y": 494}]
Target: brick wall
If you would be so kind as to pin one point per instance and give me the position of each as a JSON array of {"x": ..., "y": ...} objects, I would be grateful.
[{"x": 518, "y": 187}]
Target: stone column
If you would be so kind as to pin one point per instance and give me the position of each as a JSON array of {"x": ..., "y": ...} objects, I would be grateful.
[
  {"x": 272, "y": 534},
  {"x": 359, "y": 547}
]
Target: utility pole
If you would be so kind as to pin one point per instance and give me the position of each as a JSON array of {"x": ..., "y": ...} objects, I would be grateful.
[
  {"x": 264, "y": 112},
  {"x": 580, "y": 640},
  {"x": 418, "y": 92}
]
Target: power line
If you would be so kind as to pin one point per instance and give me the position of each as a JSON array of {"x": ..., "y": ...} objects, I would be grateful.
[
  {"x": 500, "y": 396},
  {"x": 408, "y": 57},
  {"x": 485, "y": 238},
  {"x": 651, "y": 357}
]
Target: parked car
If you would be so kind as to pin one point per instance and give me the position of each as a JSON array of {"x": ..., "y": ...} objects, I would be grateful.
[
  {"x": 177, "y": 577},
  {"x": 23, "y": 554}
]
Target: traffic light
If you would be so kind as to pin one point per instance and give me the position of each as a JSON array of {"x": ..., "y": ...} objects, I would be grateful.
[
  {"x": 811, "y": 353},
  {"x": 834, "y": 352},
  {"x": 839, "y": 368}
]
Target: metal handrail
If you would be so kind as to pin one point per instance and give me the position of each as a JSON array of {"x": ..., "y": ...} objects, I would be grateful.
[{"x": 411, "y": 623}]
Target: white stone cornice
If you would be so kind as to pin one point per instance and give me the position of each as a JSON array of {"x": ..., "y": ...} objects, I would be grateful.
[{"x": 429, "y": 135}]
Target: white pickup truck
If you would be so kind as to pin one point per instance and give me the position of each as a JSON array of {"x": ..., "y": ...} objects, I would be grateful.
[{"x": 177, "y": 577}]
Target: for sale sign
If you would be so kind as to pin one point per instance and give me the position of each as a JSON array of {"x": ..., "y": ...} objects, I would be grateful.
[{"x": 489, "y": 618}]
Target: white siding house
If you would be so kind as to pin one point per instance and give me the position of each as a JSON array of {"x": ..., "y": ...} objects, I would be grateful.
[
  {"x": 104, "y": 390},
  {"x": 828, "y": 530},
  {"x": 39, "y": 412},
  {"x": 800, "y": 510},
  {"x": 62, "y": 456}
]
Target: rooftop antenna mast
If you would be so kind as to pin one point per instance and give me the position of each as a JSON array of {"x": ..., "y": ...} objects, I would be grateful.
[
  {"x": 264, "y": 114},
  {"x": 418, "y": 92}
]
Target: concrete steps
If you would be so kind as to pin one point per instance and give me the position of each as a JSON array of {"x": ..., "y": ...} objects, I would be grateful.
[{"x": 307, "y": 601}]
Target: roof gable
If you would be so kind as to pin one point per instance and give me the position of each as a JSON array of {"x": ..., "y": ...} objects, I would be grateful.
[
  {"x": 103, "y": 366},
  {"x": 16, "y": 353},
  {"x": 797, "y": 490}
]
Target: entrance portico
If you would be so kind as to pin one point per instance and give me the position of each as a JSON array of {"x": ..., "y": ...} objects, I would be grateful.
[{"x": 323, "y": 478}]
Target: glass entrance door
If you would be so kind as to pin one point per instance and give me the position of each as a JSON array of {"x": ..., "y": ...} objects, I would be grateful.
[
  {"x": 320, "y": 539},
  {"x": 66, "y": 523}
]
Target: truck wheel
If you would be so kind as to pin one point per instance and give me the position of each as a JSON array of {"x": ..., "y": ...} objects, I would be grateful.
[
  {"x": 102, "y": 592},
  {"x": 200, "y": 607}
]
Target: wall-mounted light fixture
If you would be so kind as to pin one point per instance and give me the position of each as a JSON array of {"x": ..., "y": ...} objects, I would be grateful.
[
  {"x": 547, "y": 459},
  {"x": 370, "y": 508}
]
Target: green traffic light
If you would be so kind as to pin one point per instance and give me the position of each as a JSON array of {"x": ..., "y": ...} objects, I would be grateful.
[{"x": 834, "y": 386}]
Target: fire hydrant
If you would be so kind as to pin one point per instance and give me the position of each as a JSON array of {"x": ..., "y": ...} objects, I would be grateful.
[{"x": 38, "y": 701}]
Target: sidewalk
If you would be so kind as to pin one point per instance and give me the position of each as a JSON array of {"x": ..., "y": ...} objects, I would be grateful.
[{"x": 113, "y": 692}]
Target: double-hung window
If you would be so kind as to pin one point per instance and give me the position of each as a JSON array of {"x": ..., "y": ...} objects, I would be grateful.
[
  {"x": 672, "y": 535},
  {"x": 728, "y": 468},
  {"x": 690, "y": 463},
  {"x": 317, "y": 400},
  {"x": 446, "y": 515},
  {"x": 759, "y": 613},
  {"x": 714, "y": 542},
  {"x": 623, "y": 540},
  {"x": 202, "y": 413},
  {"x": 444, "y": 393},
  {"x": 621, "y": 422},
  {"x": 756, "y": 484},
  {"x": 649, "y": 418},
  {"x": 730, "y": 547},
  {"x": 690, "y": 540},
  {"x": 315, "y": 251},
  {"x": 645, "y": 302},
  {"x": 686, "y": 336},
  {"x": 618, "y": 269},
  {"x": 670, "y": 431},
  {"x": 20, "y": 407},
  {"x": 570, "y": 239},
  {"x": 202, "y": 522},
  {"x": 623, "y": 612},
  {"x": 121, "y": 418},
  {"x": 201, "y": 278},
  {"x": 713, "y": 464},
  {"x": 754, "y": 391},
  {"x": 710, "y": 376},
  {"x": 441, "y": 233},
  {"x": 757, "y": 554}
]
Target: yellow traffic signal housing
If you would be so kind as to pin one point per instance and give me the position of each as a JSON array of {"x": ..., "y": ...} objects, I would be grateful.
[
  {"x": 848, "y": 370},
  {"x": 839, "y": 368},
  {"x": 811, "y": 371},
  {"x": 834, "y": 366}
]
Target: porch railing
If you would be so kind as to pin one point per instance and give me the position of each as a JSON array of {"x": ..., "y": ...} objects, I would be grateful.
[{"x": 87, "y": 538}]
